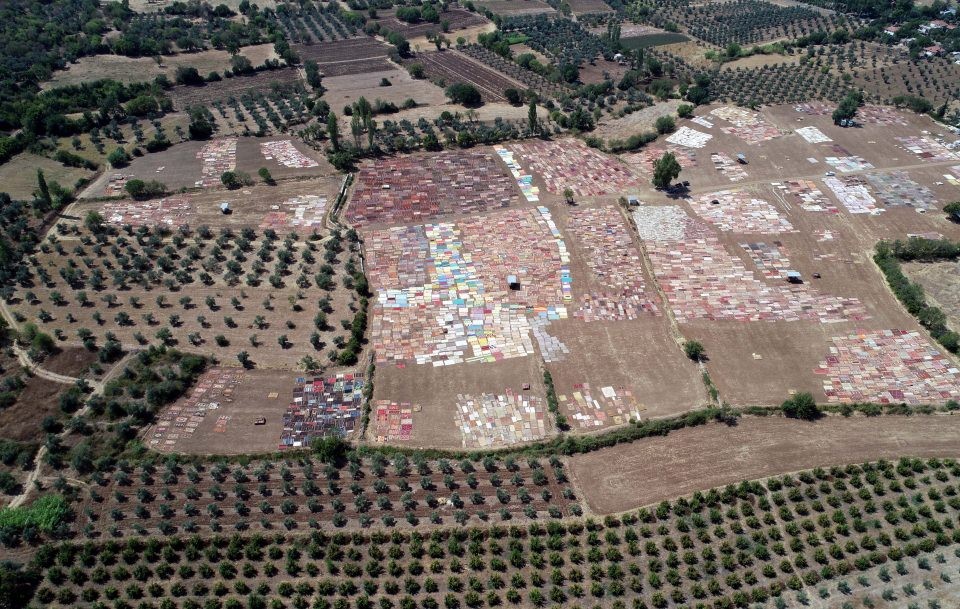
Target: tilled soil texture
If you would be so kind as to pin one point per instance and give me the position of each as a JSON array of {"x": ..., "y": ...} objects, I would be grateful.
[
  {"x": 452, "y": 67},
  {"x": 645, "y": 472}
]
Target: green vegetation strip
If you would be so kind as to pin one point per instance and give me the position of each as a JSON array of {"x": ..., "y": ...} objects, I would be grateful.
[
  {"x": 44, "y": 514},
  {"x": 888, "y": 257},
  {"x": 652, "y": 40}
]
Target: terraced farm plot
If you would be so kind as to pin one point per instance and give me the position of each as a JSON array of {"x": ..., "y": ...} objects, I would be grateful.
[
  {"x": 570, "y": 163},
  {"x": 420, "y": 187},
  {"x": 515, "y": 7},
  {"x": 450, "y": 66}
]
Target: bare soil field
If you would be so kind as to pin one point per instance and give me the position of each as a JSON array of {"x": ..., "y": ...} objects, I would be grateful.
[
  {"x": 516, "y": 7},
  {"x": 599, "y": 70},
  {"x": 648, "y": 471},
  {"x": 456, "y": 17},
  {"x": 179, "y": 166},
  {"x": 432, "y": 394},
  {"x": 18, "y": 176},
  {"x": 262, "y": 393},
  {"x": 185, "y": 96},
  {"x": 451, "y": 66},
  {"x": 350, "y": 49},
  {"x": 131, "y": 69},
  {"x": 345, "y": 90},
  {"x": 582, "y": 7}
]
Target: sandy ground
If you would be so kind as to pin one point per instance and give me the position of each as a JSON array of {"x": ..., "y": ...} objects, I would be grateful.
[
  {"x": 18, "y": 176},
  {"x": 645, "y": 472},
  {"x": 130, "y": 69}
]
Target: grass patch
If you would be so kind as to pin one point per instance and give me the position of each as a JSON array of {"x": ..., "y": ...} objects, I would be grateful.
[{"x": 45, "y": 514}]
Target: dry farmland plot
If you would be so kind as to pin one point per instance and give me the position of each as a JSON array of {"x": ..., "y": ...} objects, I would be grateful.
[
  {"x": 345, "y": 90},
  {"x": 648, "y": 471},
  {"x": 130, "y": 69},
  {"x": 437, "y": 394},
  {"x": 351, "y": 49},
  {"x": 348, "y": 57},
  {"x": 185, "y": 96},
  {"x": 451, "y": 66},
  {"x": 582, "y": 7},
  {"x": 515, "y": 7},
  {"x": 182, "y": 166},
  {"x": 218, "y": 294},
  {"x": 457, "y": 19},
  {"x": 18, "y": 176}
]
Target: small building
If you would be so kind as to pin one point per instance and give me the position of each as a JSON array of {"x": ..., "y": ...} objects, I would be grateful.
[
  {"x": 512, "y": 282},
  {"x": 225, "y": 208},
  {"x": 891, "y": 30},
  {"x": 633, "y": 200},
  {"x": 934, "y": 50},
  {"x": 794, "y": 277},
  {"x": 741, "y": 158}
]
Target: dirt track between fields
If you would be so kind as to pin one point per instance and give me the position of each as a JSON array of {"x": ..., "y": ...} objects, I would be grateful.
[{"x": 625, "y": 477}]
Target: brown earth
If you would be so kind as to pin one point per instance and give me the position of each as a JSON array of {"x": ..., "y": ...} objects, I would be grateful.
[
  {"x": 435, "y": 391},
  {"x": 178, "y": 166},
  {"x": 345, "y": 90},
  {"x": 252, "y": 398},
  {"x": 648, "y": 471}
]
